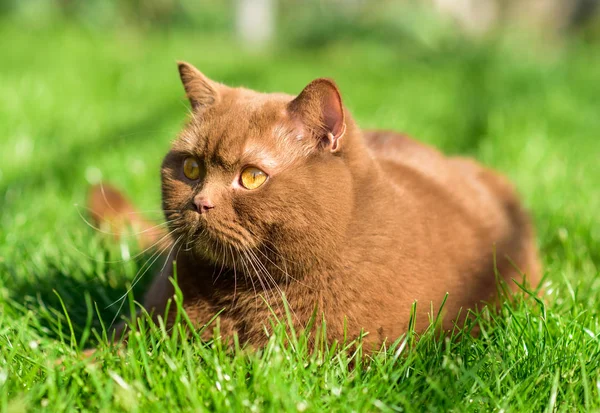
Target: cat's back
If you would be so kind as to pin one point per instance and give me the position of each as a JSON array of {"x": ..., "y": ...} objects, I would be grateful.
[
  {"x": 411, "y": 164},
  {"x": 397, "y": 147},
  {"x": 398, "y": 154},
  {"x": 464, "y": 203}
]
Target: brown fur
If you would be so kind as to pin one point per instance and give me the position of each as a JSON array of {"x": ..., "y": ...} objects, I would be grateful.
[{"x": 359, "y": 224}]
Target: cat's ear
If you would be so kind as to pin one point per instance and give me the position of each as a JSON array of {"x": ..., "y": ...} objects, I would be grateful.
[
  {"x": 200, "y": 90},
  {"x": 319, "y": 108}
]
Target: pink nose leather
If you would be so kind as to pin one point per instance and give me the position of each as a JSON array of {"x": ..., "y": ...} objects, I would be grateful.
[{"x": 202, "y": 204}]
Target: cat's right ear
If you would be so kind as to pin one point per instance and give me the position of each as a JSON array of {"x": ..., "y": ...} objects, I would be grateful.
[
  {"x": 200, "y": 90},
  {"x": 319, "y": 108}
]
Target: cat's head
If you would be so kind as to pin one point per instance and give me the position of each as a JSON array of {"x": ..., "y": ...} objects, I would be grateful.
[{"x": 256, "y": 173}]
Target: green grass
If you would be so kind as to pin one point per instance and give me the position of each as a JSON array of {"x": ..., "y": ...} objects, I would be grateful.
[{"x": 76, "y": 105}]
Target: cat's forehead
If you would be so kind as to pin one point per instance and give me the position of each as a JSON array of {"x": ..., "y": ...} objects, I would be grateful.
[{"x": 244, "y": 128}]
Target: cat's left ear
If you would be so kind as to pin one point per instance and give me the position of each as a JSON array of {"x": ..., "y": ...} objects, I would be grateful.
[
  {"x": 200, "y": 90},
  {"x": 319, "y": 108}
]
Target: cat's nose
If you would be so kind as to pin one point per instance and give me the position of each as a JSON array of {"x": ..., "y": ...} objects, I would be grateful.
[{"x": 203, "y": 204}]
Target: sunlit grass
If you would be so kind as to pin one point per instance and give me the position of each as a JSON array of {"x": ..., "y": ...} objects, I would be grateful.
[{"x": 77, "y": 106}]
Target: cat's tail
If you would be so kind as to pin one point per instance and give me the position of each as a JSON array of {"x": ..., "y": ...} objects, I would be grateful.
[{"x": 113, "y": 214}]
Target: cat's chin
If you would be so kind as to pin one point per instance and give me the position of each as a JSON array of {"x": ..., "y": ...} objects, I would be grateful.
[
  {"x": 213, "y": 248},
  {"x": 221, "y": 244},
  {"x": 220, "y": 256}
]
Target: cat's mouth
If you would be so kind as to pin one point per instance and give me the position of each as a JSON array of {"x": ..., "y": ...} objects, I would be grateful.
[
  {"x": 228, "y": 245},
  {"x": 211, "y": 237}
]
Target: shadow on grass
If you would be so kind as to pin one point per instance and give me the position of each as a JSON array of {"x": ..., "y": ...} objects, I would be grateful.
[
  {"x": 62, "y": 300},
  {"x": 91, "y": 291}
]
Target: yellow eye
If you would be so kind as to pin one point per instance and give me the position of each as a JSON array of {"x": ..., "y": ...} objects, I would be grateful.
[
  {"x": 191, "y": 168},
  {"x": 252, "y": 178}
]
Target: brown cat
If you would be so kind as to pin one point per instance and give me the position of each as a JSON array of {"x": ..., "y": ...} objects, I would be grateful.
[{"x": 270, "y": 193}]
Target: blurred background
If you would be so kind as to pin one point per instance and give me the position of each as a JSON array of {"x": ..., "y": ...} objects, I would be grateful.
[
  {"x": 314, "y": 22},
  {"x": 89, "y": 91}
]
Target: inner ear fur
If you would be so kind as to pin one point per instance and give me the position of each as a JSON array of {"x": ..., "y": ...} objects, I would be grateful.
[{"x": 319, "y": 108}]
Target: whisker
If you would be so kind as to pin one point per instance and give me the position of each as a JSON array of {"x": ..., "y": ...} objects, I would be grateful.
[
  {"x": 234, "y": 276},
  {"x": 248, "y": 275},
  {"x": 145, "y": 211},
  {"x": 222, "y": 252},
  {"x": 159, "y": 241},
  {"x": 137, "y": 278},
  {"x": 105, "y": 198},
  {"x": 277, "y": 254},
  {"x": 77, "y": 206},
  {"x": 152, "y": 258},
  {"x": 122, "y": 298},
  {"x": 265, "y": 243},
  {"x": 287, "y": 275},
  {"x": 260, "y": 280},
  {"x": 266, "y": 282},
  {"x": 272, "y": 280}
]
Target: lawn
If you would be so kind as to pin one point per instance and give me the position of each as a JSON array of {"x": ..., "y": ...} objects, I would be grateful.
[{"x": 79, "y": 104}]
